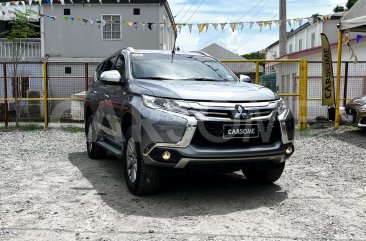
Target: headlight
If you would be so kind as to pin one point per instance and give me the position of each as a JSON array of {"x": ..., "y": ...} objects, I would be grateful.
[
  {"x": 166, "y": 104},
  {"x": 363, "y": 108},
  {"x": 281, "y": 106}
]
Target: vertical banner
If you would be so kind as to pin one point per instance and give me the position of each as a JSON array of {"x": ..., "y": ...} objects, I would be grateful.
[{"x": 327, "y": 73}]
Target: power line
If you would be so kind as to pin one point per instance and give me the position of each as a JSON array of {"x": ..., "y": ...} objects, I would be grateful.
[
  {"x": 187, "y": 11},
  {"x": 182, "y": 8},
  {"x": 195, "y": 10},
  {"x": 242, "y": 16}
]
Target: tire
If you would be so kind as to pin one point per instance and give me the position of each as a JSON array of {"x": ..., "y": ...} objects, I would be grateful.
[
  {"x": 140, "y": 178},
  {"x": 264, "y": 173},
  {"x": 94, "y": 150}
]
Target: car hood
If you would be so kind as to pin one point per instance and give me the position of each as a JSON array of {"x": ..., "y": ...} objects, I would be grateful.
[
  {"x": 359, "y": 101},
  {"x": 207, "y": 90}
]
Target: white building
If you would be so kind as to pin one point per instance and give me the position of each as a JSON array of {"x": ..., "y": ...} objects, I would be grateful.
[{"x": 305, "y": 43}]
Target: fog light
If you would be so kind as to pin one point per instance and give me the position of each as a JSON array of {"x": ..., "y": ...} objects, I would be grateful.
[
  {"x": 289, "y": 150},
  {"x": 166, "y": 155}
]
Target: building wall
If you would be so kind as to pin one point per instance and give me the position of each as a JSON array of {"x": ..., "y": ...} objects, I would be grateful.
[{"x": 75, "y": 40}]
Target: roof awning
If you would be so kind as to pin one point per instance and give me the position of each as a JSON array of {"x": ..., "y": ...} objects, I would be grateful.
[{"x": 355, "y": 19}]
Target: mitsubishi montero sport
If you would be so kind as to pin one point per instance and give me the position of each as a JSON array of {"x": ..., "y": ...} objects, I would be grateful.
[{"x": 162, "y": 112}]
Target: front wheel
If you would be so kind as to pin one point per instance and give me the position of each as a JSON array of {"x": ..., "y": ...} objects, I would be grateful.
[
  {"x": 264, "y": 173},
  {"x": 139, "y": 177}
]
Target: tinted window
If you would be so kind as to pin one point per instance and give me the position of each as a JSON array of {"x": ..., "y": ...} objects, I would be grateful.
[
  {"x": 183, "y": 67},
  {"x": 109, "y": 63}
]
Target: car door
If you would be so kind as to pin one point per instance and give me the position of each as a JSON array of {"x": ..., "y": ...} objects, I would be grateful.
[
  {"x": 116, "y": 101},
  {"x": 104, "y": 108}
]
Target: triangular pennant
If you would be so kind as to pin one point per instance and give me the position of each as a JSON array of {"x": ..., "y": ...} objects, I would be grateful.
[
  {"x": 66, "y": 19},
  {"x": 222, "y": 25},
  {"x": 233, "y": 26},
  {"x": 299, "y": 20},
  {"x": 130, "y": 24},
  {"x": 215, "y": 25},
  {"x": 358, "y": 38},
  {"x": 78, "y": 19},
  {"x": 251, "y": 25},
  {"x": 206, "y": 27},
  {"x": 91, "y": 21},
  {"x": 201, "y": 27},
  {"x": 241, "y": 26},
  {"x": 289, "y": 22},
  {"x": 265, "y": 24},
  {"x": 179, "y": 27},
  {"x": 270, "y": 25},
  {"x": 85, "y": 21},
  {"x": 135, "y": 24},
  {"x": 190, "y": 28},
  {"x": 72, "y": 19},
  {"x": 260, "y": 24}
]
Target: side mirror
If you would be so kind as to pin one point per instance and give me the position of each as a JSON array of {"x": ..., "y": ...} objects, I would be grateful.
[
  {"x": 111, "y": 76},
  {"x": 244, "y": 78}
]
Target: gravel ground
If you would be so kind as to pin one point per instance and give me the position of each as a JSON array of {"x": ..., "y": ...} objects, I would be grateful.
[{"x": 51, "y": 190}]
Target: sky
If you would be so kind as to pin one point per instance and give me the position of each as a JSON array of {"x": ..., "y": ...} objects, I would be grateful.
[{"x": 248, "y": 40}]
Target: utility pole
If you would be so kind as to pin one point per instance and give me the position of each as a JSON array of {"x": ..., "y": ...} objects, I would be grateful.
[{"x": 283, "y": 33}]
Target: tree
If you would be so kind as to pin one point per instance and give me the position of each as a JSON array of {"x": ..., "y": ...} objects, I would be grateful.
[
  {"x": 339, "y": 9},
  {"x": 21, "y": 30},
  {"x": 350, "y": 3},
  {"x": 255, "y": 55}
]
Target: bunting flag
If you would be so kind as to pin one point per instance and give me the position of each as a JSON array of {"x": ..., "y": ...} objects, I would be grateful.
[
  {"x": 215, "y": 25},
  {"x": 222, "y": 25},
  {"x": 190, "y": 28},
  {"x": 233, "y": 26},
  {"x": 85, "y": 21},
  {"x": 260, "y": 24},
  {"x": 270, "y": 25},
  {"x": 358, "y": 38},
  {"x": 201, "y": 27},
  {"x": 251, "y": 25},
  {"x": 289, "y": 22},
  {"x": 241, "y": 25}
]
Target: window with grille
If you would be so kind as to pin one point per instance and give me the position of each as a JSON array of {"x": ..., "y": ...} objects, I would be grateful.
[{"x": 112, "y": 27}]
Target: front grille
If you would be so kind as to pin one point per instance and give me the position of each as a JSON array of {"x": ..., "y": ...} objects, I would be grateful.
[
  {"x": 225, "y": 113},
  {"x": 210, "y": 134}
]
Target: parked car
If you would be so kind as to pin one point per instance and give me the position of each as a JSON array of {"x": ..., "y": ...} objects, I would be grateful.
[
  {"x": 356, "y": 111},
  {"x": 161, "y": 113}
]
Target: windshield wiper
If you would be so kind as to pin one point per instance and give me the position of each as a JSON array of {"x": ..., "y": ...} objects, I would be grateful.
[
  {"x": 155, "y": 78},
  {"x": 205, "y": 79}
]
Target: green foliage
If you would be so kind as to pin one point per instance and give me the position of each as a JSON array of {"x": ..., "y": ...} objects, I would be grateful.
[
  {"x": 21, "y": 27},
  {"x": 254, "y": 55},
  {"x": 23, "y": 127},
  {"x": 350, "y": 3},
  {"x": 339, "y": 9}
]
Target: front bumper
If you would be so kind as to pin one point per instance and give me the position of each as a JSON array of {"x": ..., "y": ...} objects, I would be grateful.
[{"x": 183, "y": 152}]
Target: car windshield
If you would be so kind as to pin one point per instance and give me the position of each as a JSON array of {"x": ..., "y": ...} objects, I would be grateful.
[{"x": 183, "y": 67}]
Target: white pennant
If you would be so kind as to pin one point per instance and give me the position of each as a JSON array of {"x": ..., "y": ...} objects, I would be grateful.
[
  {"x": 91, "y": 21},
  {"x": 289, "y": 22},
  {"x": 270, "y": 25},
  {"x": 190, "y": 28},
  {"x": 260, "y": 24},
  {"x": 222, "y": 25},
  {"x": 215, "y": 25},
  {"x": 241, "y": 25},
  {"x": 251, "y": 25},
  {"x": 179, "y": 26},
  {"x": 300, "y": 21}
]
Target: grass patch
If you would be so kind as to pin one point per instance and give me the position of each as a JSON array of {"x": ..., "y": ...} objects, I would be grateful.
[
  {"x": 72, "y": 129},
  {"x": 22, "y": 127}
]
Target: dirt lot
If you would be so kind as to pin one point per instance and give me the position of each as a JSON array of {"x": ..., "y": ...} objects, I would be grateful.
[{"x": 51, "y": 190}]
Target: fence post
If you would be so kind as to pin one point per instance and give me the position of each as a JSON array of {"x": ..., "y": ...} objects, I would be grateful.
[
  {"x": 299, "y": 112},
  {"x": 305, "y": 94},
  {"x": 86, "y": 76},
  {"x": 338, "y": 90},
  {"x": 257, "y": 72},
  {"x": 45, "y": 95},
  {"x": 5, "y": 96},
  {"x": 345, "y": 84}
]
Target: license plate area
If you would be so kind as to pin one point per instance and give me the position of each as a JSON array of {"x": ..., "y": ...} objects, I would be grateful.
[{"x": 231, "y": 131}]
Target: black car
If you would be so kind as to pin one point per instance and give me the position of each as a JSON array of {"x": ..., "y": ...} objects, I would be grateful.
[{"x": 161, "y": 113}]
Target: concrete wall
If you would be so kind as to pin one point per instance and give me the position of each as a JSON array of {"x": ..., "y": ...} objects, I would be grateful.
[{"x": 76, "y": 40}]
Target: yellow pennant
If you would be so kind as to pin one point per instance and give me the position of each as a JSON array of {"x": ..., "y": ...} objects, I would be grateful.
[{"x": 202, "y": 27}]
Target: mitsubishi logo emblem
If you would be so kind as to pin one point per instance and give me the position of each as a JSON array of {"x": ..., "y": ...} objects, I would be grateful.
[{"x": 241, "y": 113}]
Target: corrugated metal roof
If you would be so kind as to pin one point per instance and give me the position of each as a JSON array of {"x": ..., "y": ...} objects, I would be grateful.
[{"x": 221, "y": 53}]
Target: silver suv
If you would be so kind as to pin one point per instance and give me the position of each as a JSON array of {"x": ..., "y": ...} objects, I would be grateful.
[{"x": 161, "y": 113}]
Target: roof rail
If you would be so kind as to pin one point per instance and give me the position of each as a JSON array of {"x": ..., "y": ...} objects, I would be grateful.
[{"x": 201, "y": 52}]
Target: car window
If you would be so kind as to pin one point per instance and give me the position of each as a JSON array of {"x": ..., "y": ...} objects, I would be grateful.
[
  {"x": 120, "y": 65},
  {"x": 109, "y": 63},
  {"x": 181, "y": 67}
]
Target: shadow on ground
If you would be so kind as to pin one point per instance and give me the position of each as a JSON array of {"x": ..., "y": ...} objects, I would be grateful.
[
  {"x": 178, "y": 196},
  {"x": 355, "y": 137}
]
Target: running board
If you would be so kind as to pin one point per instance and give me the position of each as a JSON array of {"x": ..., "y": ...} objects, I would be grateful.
[{"x": 111, "y": 148}]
